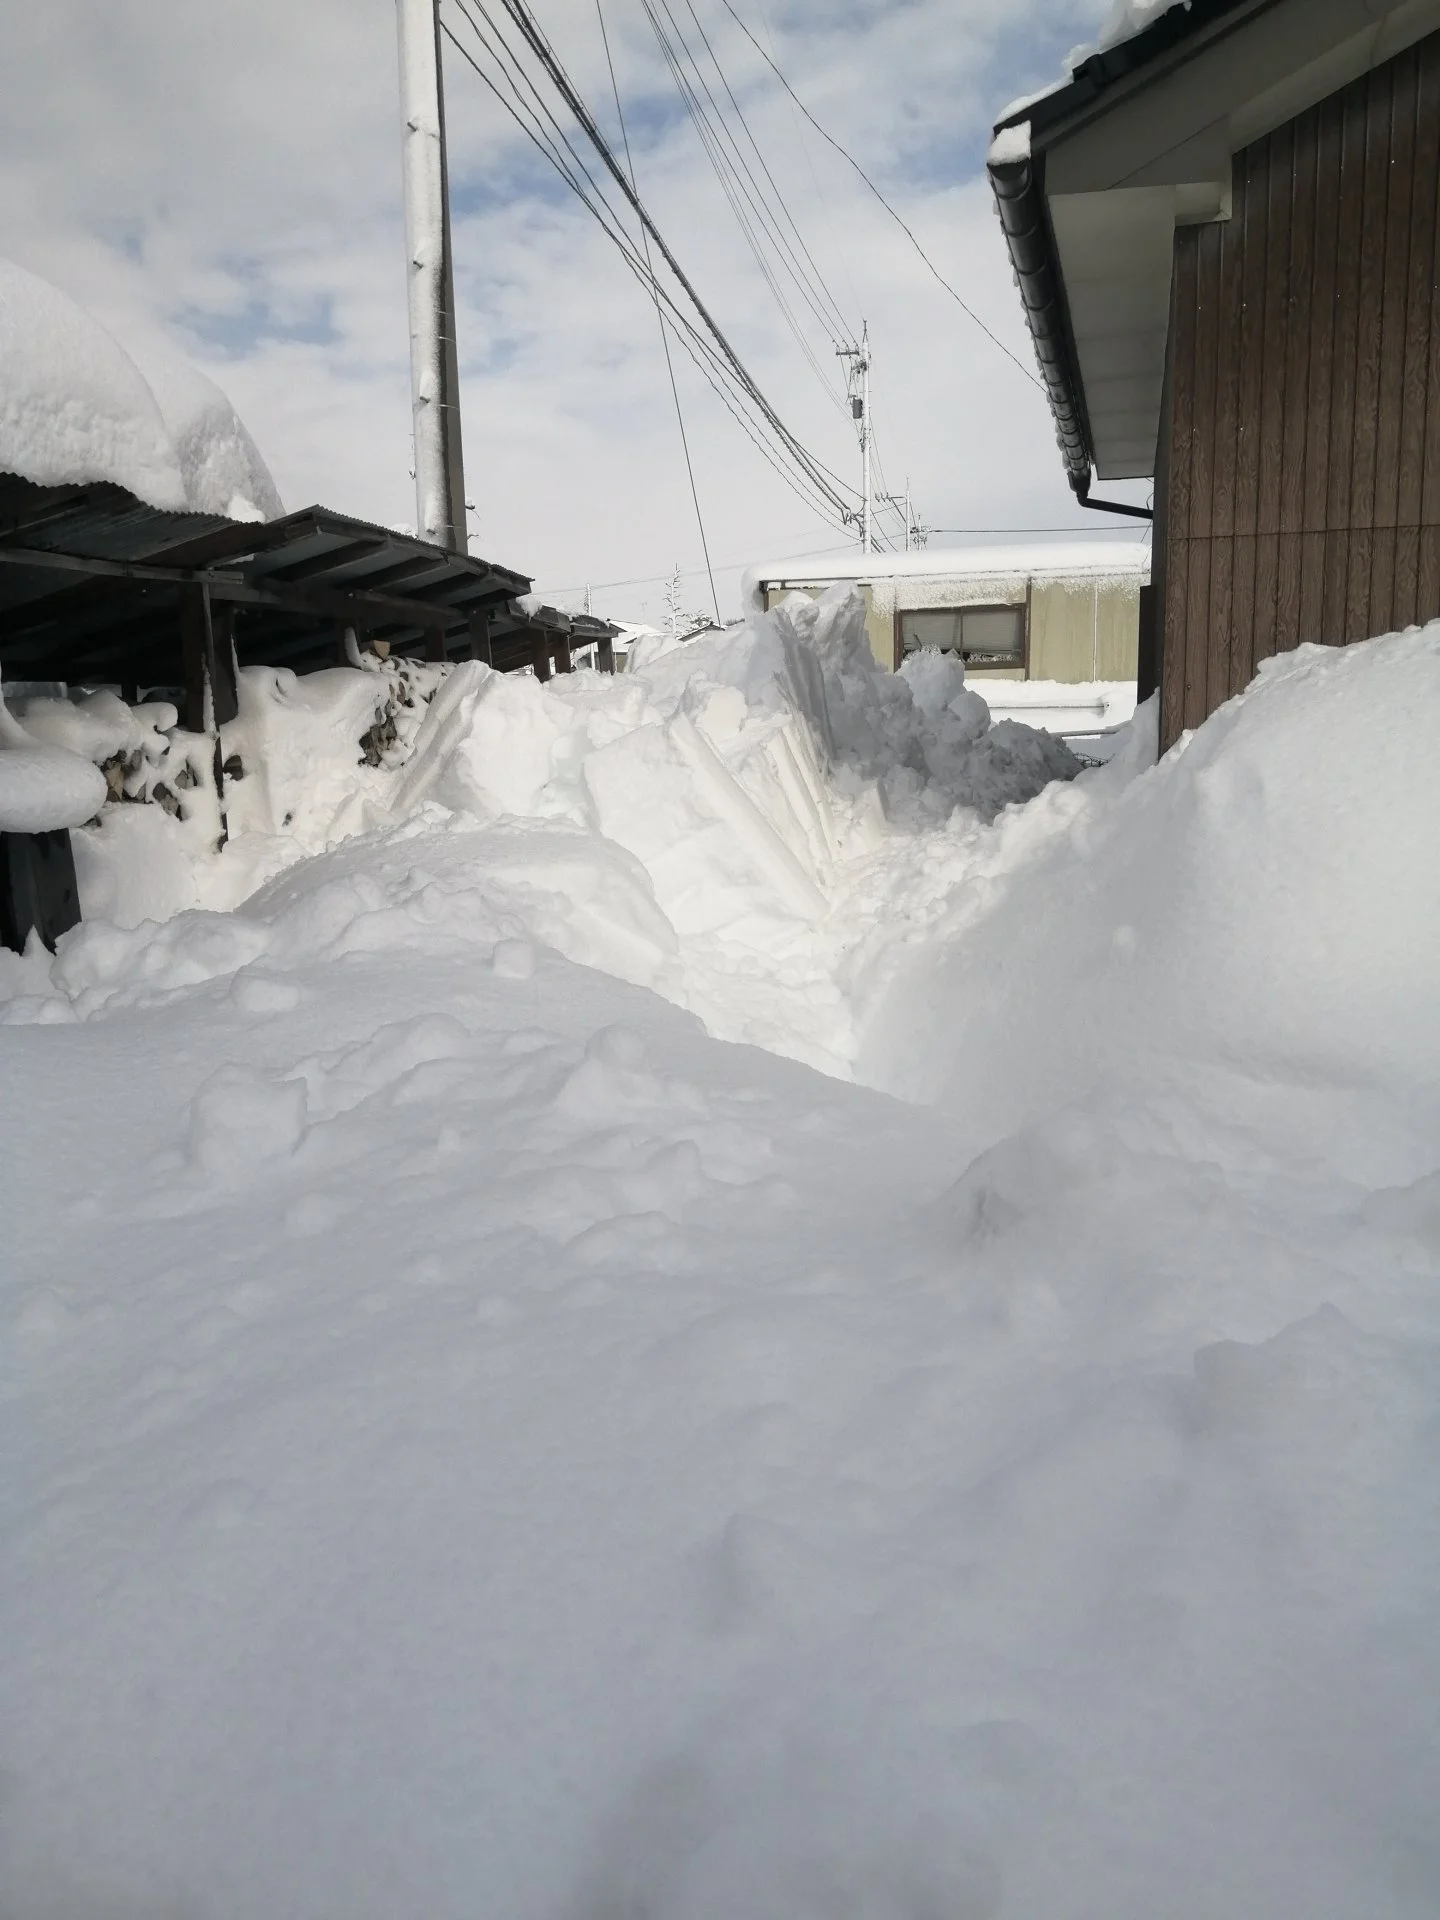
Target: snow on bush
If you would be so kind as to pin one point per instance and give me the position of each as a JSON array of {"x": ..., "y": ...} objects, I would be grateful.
[{"x": 43, "y": 787}]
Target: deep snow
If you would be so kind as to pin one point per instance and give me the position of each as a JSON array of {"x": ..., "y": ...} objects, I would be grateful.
[
  {"x": 475, "y": 1442},
  {"x": 74, "y": 406}
]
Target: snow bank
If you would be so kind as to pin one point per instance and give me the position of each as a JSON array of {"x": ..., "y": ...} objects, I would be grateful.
[
  {"x": 73, "y": 404},
  {"x": 719, "y": 791},
  {"x": 471, "y": 1442},
  {"x": 1266, "y": 901},
  {"x": 220, "y": 464}
]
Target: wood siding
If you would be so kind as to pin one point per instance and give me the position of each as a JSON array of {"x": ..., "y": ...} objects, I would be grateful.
[{"x": 1298, "y": 482}]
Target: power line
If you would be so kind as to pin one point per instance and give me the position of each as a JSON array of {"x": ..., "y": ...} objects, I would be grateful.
[
  {"x": 824, "y": 501},
  {"x": 739, "y": 182},
  {"x": 904, "y": 228},
  {"x": 842, "y": 323},
  {"x": 540, "y": 46},
  {"x": 690, "y": 573},
  {"x": 660, "y": 321}
]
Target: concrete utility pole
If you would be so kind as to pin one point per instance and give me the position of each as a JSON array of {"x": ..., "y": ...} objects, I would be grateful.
[
  {"x": 858, "y": 381},
  {"x": 434, "y": 368}
]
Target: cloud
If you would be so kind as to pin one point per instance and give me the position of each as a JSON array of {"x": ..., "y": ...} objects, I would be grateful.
[{"x": 224, "y": 180}]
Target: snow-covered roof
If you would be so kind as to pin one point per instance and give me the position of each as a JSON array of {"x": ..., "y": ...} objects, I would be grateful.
[
  {"x": 73, "y": 404},
  {"x": 75, "y": 408}
]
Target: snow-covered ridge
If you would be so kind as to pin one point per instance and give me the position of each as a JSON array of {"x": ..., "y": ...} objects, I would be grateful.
[
  {"x": 471, "y": 1439},
  {"x": 722, "y": 792},
  {"x": 75, "y": 407}
]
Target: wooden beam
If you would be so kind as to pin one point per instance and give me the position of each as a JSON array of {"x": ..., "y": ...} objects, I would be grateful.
[
  {"x": 605, "y": 654},
  {"x": 223, "y": 666},
  {"x": 540, "y": 653},
  {"x": 564, "y": 658}
]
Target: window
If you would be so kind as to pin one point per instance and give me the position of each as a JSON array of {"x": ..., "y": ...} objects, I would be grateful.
[{"x": 982, "y": 636}]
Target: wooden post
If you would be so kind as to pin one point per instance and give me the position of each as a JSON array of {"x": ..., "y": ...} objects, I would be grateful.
[
  {"x": 197, "y": 648},
  {"x": 605, "y": 654},
  {"x": 436, "y": 648},
  {"x": 223, "y": 665},
  {"x": 480, "y": 648},
  {"x": 540, "y": 652},
  {"x": 564, "y": 659},
  {"x": 205, "y": 694}
]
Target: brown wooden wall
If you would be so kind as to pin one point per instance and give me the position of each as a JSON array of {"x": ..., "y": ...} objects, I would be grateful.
[{"x": 1298, "y": 490}]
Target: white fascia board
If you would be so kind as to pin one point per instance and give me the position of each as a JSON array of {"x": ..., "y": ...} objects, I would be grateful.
[{"x": 1158, "y": 157}]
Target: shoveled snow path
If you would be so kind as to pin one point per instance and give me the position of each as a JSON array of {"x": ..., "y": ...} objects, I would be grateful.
[{"x": 476, "y": 1441}]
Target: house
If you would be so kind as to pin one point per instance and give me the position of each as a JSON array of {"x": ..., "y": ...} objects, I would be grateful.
[
  {"x": 1224, "y": 232},
  {"x": 1065, "y": 611}
]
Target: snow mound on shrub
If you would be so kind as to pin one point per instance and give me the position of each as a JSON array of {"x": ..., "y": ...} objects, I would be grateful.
[{"x": 43, "y": 787}]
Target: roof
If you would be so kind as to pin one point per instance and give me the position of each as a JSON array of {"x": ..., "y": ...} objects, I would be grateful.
[
  {"x": 1092, "y": 178},
  {"x": 1095, "y": 557},
  {"x": 91, "y": 578}
]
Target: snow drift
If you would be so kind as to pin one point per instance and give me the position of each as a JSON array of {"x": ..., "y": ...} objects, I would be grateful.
[
  {"x": 74, "y": 406},
  {"x": 720, "y": 792},
  {"x": 471, "y": 1437},
  {"x": 1266, "y": 901}
]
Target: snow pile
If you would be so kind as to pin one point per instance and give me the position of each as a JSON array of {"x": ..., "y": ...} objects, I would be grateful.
[
  {"x": 1126, "y": 18},
  {"x": 43, "y": 787},
  {"x": 219, "y": 463},
  {"x": 471, "y": 1439},
  {"x": 1266, "y": 901},
  {"x": 73, "y": 404},
  {"x": 75, "y": 407},
  {"x": 719, "y": 793}
]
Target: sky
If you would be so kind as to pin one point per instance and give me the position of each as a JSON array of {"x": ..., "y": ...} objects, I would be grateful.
[{"x": 222, "y": 180}]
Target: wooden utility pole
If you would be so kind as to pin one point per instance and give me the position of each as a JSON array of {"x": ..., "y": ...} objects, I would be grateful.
[{"x": 434, "y": 366}]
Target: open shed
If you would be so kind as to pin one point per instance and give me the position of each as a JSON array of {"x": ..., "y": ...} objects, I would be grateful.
[{"x": 98, "y": 587}]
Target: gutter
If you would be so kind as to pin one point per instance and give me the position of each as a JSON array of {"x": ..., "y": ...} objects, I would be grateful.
[
  {"x": 1020, "y": 199},
  {"x": 1017, "y": 178}
]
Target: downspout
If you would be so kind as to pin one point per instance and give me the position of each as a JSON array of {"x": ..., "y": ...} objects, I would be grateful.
[{"x": 1080, "y": 483}]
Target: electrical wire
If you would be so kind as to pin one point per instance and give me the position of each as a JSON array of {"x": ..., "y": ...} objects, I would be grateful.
[
  {"x": 738, "y": 194},
  {"x": 843, "y": 325},
  {"x": 660, "y": 320},
  {"x": 904, "y": 228},
  {"x": 716, "y": 136},
  {"x": 826, "y": 481},
  {"x": 812, "y": 490}
]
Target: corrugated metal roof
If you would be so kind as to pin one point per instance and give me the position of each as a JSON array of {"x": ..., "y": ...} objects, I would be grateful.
[{"x": 296, "y": 582}]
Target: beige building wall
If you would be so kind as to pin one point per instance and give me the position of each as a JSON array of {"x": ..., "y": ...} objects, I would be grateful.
[{"x": 1084, "y": 632}]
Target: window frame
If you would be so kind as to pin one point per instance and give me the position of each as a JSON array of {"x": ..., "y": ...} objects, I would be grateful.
[{"x": 1022, "y": 607}]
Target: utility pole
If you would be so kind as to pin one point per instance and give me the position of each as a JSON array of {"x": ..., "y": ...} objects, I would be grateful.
[
  {"x": 857, "y": 379},
  {"x": 434, "y": 367},
  {"x": 916, "y": 532}
]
